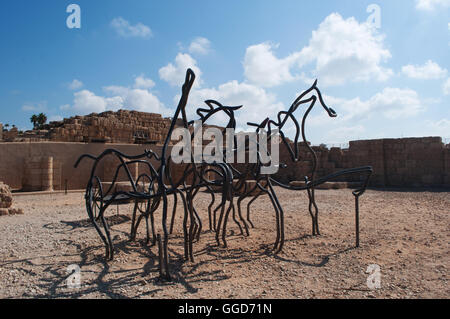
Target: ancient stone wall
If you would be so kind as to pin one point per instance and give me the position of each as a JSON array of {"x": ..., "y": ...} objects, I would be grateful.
[
  {"x": 18, "y": 159},
  {"x": 129, "y": 127},
  {"x": 408, "y": 162},
  {"x": 9, "y": 135},
  {"x": 411, "y": 162},
  {"x": 38, "y": 174},
  {"x": 111, "y": 127}
]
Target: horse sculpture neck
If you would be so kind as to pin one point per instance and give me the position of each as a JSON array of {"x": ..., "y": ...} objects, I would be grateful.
[
  {"x": 284, "y": 116},
  {"x": 189, "y": 82}
]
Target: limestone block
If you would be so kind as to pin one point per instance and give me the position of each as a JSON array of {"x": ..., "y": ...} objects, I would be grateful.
[{"x": 5, "y": 196}]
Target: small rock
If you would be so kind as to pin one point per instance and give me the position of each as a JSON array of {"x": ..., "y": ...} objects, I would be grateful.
[{"x": 16, "y": 211}]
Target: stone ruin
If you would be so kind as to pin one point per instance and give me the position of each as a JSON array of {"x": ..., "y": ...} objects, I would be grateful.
[
  {"x": 6, "y": 200},
  {"x": 123, "y": 126},
  {"x": 405, "y": 162}
]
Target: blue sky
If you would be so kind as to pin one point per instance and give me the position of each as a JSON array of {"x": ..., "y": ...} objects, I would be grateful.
[{"x": 384, "y": 80}]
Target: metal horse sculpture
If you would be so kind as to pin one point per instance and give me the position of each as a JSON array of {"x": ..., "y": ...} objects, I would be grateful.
[
  {"x": 153, "y": 188},
  {"x": 98, "y": 199},
  {"x": 197, "y": 173},
  {"x": 265, "y": 183}
]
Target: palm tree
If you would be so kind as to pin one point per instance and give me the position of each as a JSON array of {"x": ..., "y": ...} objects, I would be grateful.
[
  {"x": 41, "y": 119},
  {"x": 34, "y": 120}
]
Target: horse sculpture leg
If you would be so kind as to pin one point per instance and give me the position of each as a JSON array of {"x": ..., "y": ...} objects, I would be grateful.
[
  {"x": 357, "y": 219},
  {"x": 152, "y": 220},
  {"x": 212, "y": 224},
  {"x": 110, "y": 246},
  {"x": 277, "y": 217},
  {"x": 185, "y": 229},
  {"x": 314, "y": 215},
  {"x": 136, "y": 226},
  {"x": 133, "y": 221},
  {"x": 281, "y": 218},
  {"x": 239, "y": 202},
  {"x": 192, "y": 226},
  {"x": 174, "y": 210},
  {"x": 164, "y": 254},
  {"x": 237, "y": 222},
  {"x": 248, "y": 208},
  {"x": 102, "y": 236},
  {"x": 219, "y": 222},
  {"x": 224, "y": 230},
  {"x": 198, "y": 229},
  {"x": 147, "y": 231},
  {"x": 215, "y": 219}
]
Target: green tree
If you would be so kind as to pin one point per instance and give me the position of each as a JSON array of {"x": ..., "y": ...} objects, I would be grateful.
[
  {"x": 41, "y": 119},
  {"x": 34, "y": 120}
]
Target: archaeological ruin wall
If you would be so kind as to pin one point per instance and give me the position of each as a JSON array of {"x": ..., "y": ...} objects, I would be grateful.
[
  {"x": 48, "y": 166},
  {"x": 128, "y": 127},
  {"x": 408, "y": 162},
  {"x": 43, "y": 159},
  {"x": 405, "y": 162}
]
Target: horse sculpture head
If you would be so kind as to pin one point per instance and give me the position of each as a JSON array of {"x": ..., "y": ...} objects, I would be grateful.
[
  {"x": 309, "y": 97},
  {"x": 329, "y": 110},
  {"x": 216, "y": 108}
]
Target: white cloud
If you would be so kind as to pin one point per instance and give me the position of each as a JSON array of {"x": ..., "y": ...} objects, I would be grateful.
[
  {"x": 430, "y": 5},
  {"x": 430, "y": 70},
  {"x": 345, "y": 133},
  {"x": 175, "y": 74},
  {"x": 118, "y": 97},
  {"x": 141, "y": 82},
  {"x": 55, "y": 118},
  {"x": 137, "y": 97},
  {"x": 263, "y": 68},
  {"x": 342, "y": 51},
  {"x": 141, "y": 100},
  {"x": 126, "y": 30},
  {"x": 446, "y": 87},
  {"x": 257, "y": 103},
  {"x": 75, "y": 85},
  {"x": 35, "y": 107},
  {"x": 440, "y": 128},
  {"x": 346, "y": 50},
  {"x": 200, "y": 46},
  {"x": 87, "y": 102},
  {"x": 392, "y": 103}
]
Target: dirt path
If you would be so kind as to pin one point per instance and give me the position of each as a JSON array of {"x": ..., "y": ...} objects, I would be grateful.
[{"x": 405, "y": 233}]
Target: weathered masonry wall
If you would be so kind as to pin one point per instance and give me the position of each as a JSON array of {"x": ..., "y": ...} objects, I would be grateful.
[
  {"x": 123, "y": 126},
  {"x": 408, "y": 162},
  {"x": 49, "y": 165}
]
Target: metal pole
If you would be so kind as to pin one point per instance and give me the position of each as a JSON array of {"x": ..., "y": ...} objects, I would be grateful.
[{"x": 357, "y": 219}]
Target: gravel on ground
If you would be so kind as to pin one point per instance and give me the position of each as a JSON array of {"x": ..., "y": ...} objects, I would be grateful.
[{"x": 405, "y": 233}]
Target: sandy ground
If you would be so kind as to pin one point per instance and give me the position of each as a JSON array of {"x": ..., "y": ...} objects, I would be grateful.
[{"x": 405, "y": 233}]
